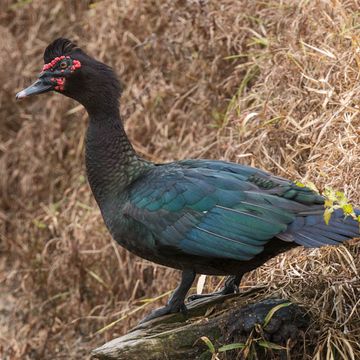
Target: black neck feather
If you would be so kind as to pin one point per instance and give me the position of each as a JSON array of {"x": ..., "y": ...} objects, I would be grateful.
[{"x": 112, "y": 163}]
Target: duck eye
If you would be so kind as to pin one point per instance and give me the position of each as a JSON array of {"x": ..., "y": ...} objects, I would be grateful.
[{"x": 63, "y": 65}]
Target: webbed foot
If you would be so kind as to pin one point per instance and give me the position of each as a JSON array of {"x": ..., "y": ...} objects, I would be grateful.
[{"x": 165, "y": 310}]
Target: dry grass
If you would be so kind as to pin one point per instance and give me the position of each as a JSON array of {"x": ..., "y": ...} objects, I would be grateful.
[{"x": 274, "y": 84}]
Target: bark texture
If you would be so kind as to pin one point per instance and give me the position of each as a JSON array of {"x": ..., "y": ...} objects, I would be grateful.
[{"x": 262, "y": 324}]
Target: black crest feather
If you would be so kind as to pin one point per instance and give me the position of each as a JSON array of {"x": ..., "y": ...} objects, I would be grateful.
[{"x": 59, "y": 47}]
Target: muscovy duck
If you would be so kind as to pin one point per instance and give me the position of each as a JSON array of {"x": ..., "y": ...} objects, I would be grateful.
[{"x": 198, "y": 216}]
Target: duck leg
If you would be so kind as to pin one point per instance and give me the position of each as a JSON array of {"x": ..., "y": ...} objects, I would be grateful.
[
  {"x": 231, "y": 286},
  {"x": 176, "y": 302}
]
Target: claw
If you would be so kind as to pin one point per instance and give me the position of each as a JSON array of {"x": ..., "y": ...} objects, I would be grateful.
[
  {"x": 183, "y": 309},
  {"x": 192, "y": 297}
]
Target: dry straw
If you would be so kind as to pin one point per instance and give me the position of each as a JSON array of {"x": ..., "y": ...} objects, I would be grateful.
[{"x": 274, "y": 84}]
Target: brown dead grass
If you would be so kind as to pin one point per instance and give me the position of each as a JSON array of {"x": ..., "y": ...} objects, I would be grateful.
[{"x": 274, "y": 84}]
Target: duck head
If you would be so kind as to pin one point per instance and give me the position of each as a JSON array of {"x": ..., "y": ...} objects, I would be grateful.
[{"x": 70, "y": 71}]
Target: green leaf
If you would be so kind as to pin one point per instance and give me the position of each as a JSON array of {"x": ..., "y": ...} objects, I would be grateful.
[
  {"x": 327, "y": 215},
  {"x": 273, "y": 311},
  {"x": 340, "y": 196},
  {"x": 299, "y": 184},
  {"x": 208, "y": 343},
  {"x": 232, "y": 346},
  {"x": 309, "y": 185},
  {"x": 328, "y": 203},
  {"x": 270, "y": 345},
  {"x": 39, "y": 224},
  {"x": 82, "y": 179},
  {"x": 312, "y": 186},
  {"x": 348, "y": 209},
  {"x": 330, "y": 194},
  {"x": 337, "y": 200}
]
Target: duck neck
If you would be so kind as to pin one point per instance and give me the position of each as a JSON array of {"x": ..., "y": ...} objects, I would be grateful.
[{"x": 111, "y": 161}]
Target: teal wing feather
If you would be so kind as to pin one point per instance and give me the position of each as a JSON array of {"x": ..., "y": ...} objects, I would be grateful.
[
  {"x": 216, "y": 209},
  {"x": 272, "y": 184}
]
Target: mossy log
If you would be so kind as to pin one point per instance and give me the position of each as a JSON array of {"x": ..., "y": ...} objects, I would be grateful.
[{"x": 264, "y": 325}]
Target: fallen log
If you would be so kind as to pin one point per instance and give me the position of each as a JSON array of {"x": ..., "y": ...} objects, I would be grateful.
[{"x": 234, "y": 324}]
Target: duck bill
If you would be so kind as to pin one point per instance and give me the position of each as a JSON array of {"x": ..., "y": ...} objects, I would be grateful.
[{"x": 38, "y": 87}]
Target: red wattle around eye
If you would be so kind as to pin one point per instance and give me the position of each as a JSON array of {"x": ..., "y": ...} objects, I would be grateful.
[{"x": 53, "y": 62}]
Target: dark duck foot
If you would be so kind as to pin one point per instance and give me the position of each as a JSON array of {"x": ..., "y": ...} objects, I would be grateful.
[
  {"x": 231, "y": 287},
  {"x": 176, "y": 302},
  {"x": 165, "y": 310}
]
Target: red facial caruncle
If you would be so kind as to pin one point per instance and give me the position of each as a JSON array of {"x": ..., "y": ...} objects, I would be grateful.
[
  {"x": 52, "y": 63},
  {"x": 76, "y": 64},
  {"x": 60, "y": 83},
  {"x": 61, "y": 64}
]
